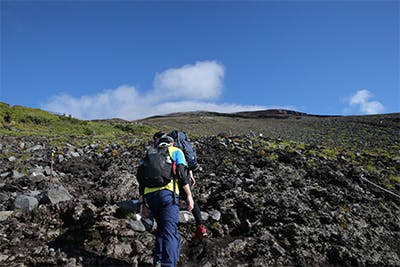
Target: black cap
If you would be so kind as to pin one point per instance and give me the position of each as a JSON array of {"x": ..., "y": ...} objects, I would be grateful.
[{"x": 158, "y": 135}]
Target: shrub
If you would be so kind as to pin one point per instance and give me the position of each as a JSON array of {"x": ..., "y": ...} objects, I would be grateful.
[{"x": 395, "y": 178}]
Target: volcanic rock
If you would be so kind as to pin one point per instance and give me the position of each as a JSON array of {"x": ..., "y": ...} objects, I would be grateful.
[{"x": 265, "y": 202}]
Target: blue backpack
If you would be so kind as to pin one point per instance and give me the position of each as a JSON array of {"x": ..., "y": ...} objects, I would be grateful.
[{"x": 181, "y": 141}]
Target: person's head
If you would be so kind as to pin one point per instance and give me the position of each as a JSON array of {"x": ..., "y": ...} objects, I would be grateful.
[
  {"x": 157, "y": 136},
  {"x": 166, "y": 141}
]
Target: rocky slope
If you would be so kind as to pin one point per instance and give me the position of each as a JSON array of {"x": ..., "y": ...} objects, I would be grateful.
[
  {"x": 266, "y": 201},
  {"x": 355, "y": 133}
]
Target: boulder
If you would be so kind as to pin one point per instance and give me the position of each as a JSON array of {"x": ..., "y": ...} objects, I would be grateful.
[
  {"x": 17, "y": 174},
  {"x": 34, "y": 148},
  {"x": 5, "y": 214},
  {"x": 57, "y": 193},
  {"x": 185, "y": 216},
  {"x": 25, "y": 203},
  {"x": 137, "y": 226}
]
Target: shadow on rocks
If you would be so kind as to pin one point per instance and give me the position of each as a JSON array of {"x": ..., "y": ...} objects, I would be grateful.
[{"x": 73, "y": 242}]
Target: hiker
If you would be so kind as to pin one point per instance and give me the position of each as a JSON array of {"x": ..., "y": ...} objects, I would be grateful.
[
  {"x": 201, "y": 231},
  {"x": 181, "y": 140},
  {"x": 163, "y": 204},
  {"x": 156, "y": 138},
  {"x": 251, "y": 133}
]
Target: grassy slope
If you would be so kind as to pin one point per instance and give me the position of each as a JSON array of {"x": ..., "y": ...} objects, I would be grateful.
[{"x": 23, "y": 121}]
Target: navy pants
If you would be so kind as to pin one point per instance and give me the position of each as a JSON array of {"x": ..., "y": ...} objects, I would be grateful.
[{"x": 166, "y": 213}]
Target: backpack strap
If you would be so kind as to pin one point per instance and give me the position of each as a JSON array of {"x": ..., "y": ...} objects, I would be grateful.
[
  {"x": 174, "y": 174},
  {"x": 174, "y": 181}
]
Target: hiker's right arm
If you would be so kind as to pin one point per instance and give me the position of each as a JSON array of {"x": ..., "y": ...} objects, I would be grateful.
[
  {"x": 189, "y": 198},
  {"x": 183, "y": 180}
]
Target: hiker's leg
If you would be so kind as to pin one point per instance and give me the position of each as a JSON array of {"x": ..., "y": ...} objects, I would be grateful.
[
  {"x": 168, "y": 229},
  {"x": 197, "y": 214},
  {"x": 154, "y": 202}
]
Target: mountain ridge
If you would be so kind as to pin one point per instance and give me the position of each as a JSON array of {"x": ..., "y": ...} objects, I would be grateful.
[
  {"x": 377, "y": 132},
  {"x": 250, "y": 114}
]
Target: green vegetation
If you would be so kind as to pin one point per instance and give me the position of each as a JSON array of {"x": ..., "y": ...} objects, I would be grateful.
[
  {"x": 388, "y": 185},
  {"x": 272, "y": 156},
  {"x": 23, "y": 121},
  {"x": 330, "y": 153},
  {"x": 395, "y": 179},
  {"x": 135, "y": 129},
  {"x": 228, "y": 163}
]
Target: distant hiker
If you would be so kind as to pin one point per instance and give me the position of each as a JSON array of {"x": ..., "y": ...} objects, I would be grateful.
[
  {"x": 182, "y": 141},
  {"x": 161, "y": 174},
  {"x": 251, "y": 133}
]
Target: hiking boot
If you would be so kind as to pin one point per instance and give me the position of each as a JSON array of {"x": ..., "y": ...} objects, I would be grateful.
[{"x": 200, "y": 233}]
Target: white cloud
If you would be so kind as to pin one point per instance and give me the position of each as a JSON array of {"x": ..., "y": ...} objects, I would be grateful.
[
  {"x": 189, "y": 88},
  {"x": 362, "y": 99},
  {"x": 117, "y": 103},
  {"x": 202, "y": 80}
]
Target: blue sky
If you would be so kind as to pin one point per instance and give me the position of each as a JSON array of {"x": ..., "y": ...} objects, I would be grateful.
[{"x": 133, "y": 59}]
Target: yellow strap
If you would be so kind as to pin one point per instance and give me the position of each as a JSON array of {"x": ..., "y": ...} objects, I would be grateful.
[{"x": 169, "y": 186}]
